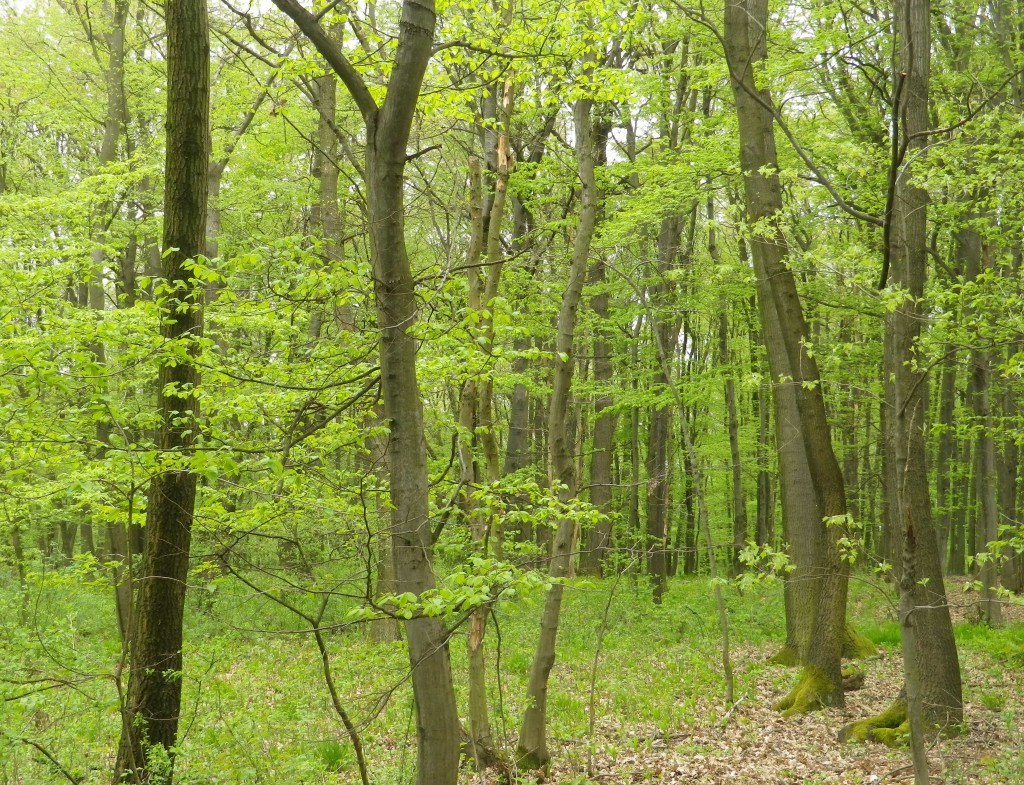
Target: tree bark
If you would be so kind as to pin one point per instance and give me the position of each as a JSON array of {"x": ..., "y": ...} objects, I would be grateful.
[
  {"x": 153, "y": 703},
  {"x": 387, "y": 134},
  {"x": 745, "y": 43},
  {"x": 909, "y": 507},
  {"x": 532, "y": 749}
]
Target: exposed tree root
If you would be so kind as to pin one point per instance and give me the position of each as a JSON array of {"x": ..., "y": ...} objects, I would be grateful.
[
  {"x": 812, "y": 691},
  {"x": 891, "y": 727}
]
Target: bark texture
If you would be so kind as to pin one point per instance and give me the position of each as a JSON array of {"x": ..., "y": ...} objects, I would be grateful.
[
  {"x": 745, "y": 43},
  {"x": 153, "y": 703},
  {"x": 932, "y": 656}
]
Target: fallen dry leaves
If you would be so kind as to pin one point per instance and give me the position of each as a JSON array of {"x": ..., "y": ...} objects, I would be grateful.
[{"x": 754, "y": 745}]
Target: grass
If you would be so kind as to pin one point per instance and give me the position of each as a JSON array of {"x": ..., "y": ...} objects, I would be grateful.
[{"x": 256, "y": 710}]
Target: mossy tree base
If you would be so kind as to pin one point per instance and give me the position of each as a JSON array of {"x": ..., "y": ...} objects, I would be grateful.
[
  {"x": 857, "y": 646},
  {"x": 812, "y": 691},
  {"x": 891, "y": 727},
  {"x": 787, "y": 656}
]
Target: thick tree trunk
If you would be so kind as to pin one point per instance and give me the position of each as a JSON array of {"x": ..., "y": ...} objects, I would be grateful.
[
  {"x": 745, "y": 31},
  {"x": 153, "y": 703}
]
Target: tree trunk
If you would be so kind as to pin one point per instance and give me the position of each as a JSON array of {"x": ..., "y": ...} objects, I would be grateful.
[
  {"x": 962, "y": 494},
  {"x": 969, "y": 245},
  {"x": 909, "y": 506},
  {"x": 387, "y": 135},
  {"x": 532, "y": 750},
  {"x": 153, "y": 703},
  {"x": 739, "y": 501},
  {"x": 605, "y": 417},
  {"x": 745, "y": 30},
  {"x": 944, "y": 457}
]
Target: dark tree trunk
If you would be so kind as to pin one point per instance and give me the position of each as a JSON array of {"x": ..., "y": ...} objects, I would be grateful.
[
  {"x": 961, "y": 489},
  {"x": 605, "y": 416},
  {"x": 153, "y": 702},
  {"x": 603, "y": 445},
  {"x": 969, "y": 246},
  {"x": 944, "y": 458}
]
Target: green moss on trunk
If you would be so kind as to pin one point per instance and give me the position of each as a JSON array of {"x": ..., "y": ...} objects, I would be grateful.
[
  {"x": 786, "y": 656},
  {"x": 891, "y": 727},
  {"x": 812, "y": 691},
  {"x": 856, "y": 646}
]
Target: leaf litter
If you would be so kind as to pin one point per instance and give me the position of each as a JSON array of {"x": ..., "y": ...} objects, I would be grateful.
[{"x": 752, "y": 744}]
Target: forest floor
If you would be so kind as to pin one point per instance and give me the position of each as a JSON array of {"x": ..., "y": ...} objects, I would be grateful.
[
  {"x": 636, "y": 693},
  {"x": 752, "y": 744}
]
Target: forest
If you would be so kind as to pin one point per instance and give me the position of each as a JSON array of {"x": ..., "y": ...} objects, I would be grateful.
[{"x": 437, "y": 392}]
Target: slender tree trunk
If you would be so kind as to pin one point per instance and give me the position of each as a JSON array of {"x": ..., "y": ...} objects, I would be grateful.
[
  {"x": 765, "y": 480},
  {"x": 739, "y": 501},
  {"x": 119, "y": 554},
  {"x": 665, "y": 325},
  {"x": 930, "y": 654},
  {"x": 387, "y": 134},
  {"x": 944, "y": 457},
  {"x": 603, "y": 445},
  {"x": 605, "y": 416},
  {"x": 153, "y": 704},
  {"x": 970, "y": 250},
  {"x": 532, "y": 750},
  {"x": 961, "y": 482}
]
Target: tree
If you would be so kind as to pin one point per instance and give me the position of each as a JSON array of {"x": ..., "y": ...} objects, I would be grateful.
[
  {"x": 153, "y": 702},
  {"x": 933, "y": 695},
  {"x": 746, "y": 47},
  {"x": 387, "y": 127},
  {"x": 532, "y": 750},
  {"x": 933, "y": 689}
]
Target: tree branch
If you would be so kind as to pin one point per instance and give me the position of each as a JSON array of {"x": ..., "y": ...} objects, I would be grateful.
[{"x": 331, "y": 52}]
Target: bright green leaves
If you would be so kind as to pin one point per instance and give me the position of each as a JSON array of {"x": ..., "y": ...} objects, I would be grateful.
[{"x": 477, "y": 583}]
